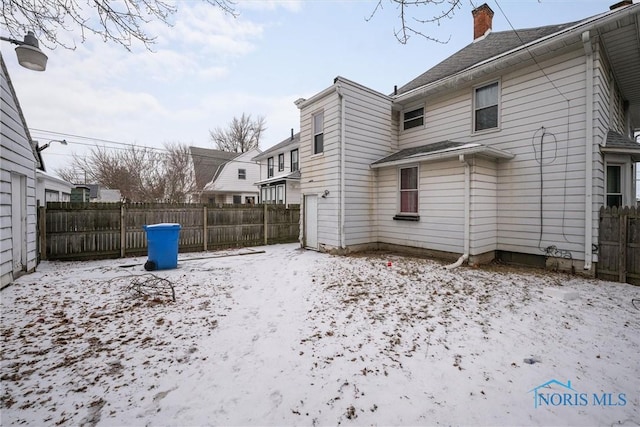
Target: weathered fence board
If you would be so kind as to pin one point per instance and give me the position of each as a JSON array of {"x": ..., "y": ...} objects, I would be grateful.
[
  {"x": 619, "y": 245},
  {"x": 112, "y": 230}
]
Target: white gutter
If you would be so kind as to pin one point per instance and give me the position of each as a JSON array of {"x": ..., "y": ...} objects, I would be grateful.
[
  {"x": 342, "y": 165},
  {"x": 467, "y": 214},
  {"x": 588, "y": 185}
]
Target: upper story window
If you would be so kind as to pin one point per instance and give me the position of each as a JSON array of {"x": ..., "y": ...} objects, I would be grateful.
[
  {"x": 614, "y": 186},
  {"x": 269, "y": 167},
  {"x": 318, "y": 133},
  {"x": 409, "y": 190},
  {"x": 242, "y": 174},
  {"x": 485, "y": 107},
  {"x": 294, "y": 160},
  {"x": 413, "y": 118},
  {"x": 280, "y": 162}
]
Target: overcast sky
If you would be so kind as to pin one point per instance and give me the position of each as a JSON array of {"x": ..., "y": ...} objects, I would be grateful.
[{"x": 210, "y": 67}]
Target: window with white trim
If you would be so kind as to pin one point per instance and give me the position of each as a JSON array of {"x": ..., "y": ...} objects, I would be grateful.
[
  {"x": 318, "y": 133},
  {"x": 409, "y": 190},
  {"x": 294, "y": 160},
  {"x": 270, "y": 167},
  {"x": 280, "y": 162},
  {"x": 413, "y": 118},
  {"x": 614, "y": 186},
  {"x": 242, "y": 174},
  {"x": 486, "y": 100},
  {"x": 273, "y": 194}
]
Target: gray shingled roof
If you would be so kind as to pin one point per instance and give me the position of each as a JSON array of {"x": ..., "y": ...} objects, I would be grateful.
[
  {"x": 278, "y": 146},
  {"x": 492, "y": 45},
  {"x": 423, "y": 149},
  {"x": 616, "y": 140},
  {"x": 207, "y": 162}
]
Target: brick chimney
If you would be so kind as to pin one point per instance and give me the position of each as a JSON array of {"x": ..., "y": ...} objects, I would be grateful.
[{"x": 482, "y": 19}]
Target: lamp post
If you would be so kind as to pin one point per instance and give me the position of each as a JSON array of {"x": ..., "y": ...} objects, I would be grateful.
[
  {"x": 42, "y": 147},
  {"x": 28, "y": 51}
]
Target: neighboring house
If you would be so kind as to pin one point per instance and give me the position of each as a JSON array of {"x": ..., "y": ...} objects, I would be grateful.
[
  {"x": 232, "y": 180},
  {"x": 508, "y": 148},
  {"x": 52, "y": 189},
  {"x": 280, "y": 172},
  {"x": 99, "y": 194},
  {"x": 18, "y": 163}
]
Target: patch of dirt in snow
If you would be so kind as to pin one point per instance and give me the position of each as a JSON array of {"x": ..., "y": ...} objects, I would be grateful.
[
  {"x": 64, "y": 351},
  {"x": 379, "y": 316}
]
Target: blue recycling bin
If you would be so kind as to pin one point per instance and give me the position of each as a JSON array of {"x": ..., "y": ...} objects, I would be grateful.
[{"x": 162, "y": 244}]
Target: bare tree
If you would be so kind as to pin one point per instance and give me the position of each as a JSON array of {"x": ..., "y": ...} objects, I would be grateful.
[
  {"x": 242, "y": 134},
  {"x": 120, "y": 21},
  {"x": 440, "y": 9},
  {"x": 180, "y": 174},
  {"x": 142, "y": 174}
]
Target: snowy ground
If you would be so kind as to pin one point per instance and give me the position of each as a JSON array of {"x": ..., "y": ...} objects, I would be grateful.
[{"x": 293, "y": 337}]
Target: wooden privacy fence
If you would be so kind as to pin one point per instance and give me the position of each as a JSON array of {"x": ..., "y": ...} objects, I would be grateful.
[
  {"x": 72, "y": 231},
  {"x": 619, "y": 252}
]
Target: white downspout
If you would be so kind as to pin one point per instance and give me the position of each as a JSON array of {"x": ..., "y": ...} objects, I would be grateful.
[
  {"x": 342, "y": 166},
  {"x": 467, "y": 214},
  {"x": 588, "y": 196}
]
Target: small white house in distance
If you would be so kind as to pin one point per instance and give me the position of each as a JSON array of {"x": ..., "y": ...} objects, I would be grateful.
[
  {"x": 233, "y": 181},
  {"x": 18, "y": 164},
  {"x": 52, "y": 189},
  {"x": 506, "y": 149},
  {"x": 280, "y": 172}
]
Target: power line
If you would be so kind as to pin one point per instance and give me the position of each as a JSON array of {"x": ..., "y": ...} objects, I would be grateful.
[{"x": 126, "y": 146}]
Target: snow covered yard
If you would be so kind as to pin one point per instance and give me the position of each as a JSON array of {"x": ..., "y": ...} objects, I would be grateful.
[{"x": 293, "y": 337}]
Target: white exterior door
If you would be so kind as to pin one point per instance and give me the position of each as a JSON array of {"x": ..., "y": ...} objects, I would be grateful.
[
  {"x": 311, "y": 221},
  {"x": 18, "y": 222}
]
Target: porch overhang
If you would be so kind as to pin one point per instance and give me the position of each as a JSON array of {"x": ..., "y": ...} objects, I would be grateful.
[
  {"x": 440, "y": 151},
  {"x": 618, "y": 144},
  {"x": 293, "y": 176}
]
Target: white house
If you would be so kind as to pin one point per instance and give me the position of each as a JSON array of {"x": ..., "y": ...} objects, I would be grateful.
[
  {"x": 51, "y": 189},
  {"x": 233, "y": 181},
  {"x": 508, "y": 148},
  {"x": 18, "y": 163},
  {"x": 280, "y": 172}
]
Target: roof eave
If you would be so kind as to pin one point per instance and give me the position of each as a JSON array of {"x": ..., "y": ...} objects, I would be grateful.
[{"x": 633, "y": 152}]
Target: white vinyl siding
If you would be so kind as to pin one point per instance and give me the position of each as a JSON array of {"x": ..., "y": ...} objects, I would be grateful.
[
  {"x": 441, "y": 208},
  {"x": 18, "y": 163},
  {"x": 527, "y": 102},
  {"x": 367, "y": 138},
  {"x": 321, "y": 172}
]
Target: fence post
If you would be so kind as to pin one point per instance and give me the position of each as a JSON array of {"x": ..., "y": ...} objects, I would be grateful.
[
  {"x": 622, "y": 245},
  {"x": 266, "y": 234},
  {"x": 123, "y": 232},
  {"x": 43, "y": 232},
  {"x": 205, "y": 234}
]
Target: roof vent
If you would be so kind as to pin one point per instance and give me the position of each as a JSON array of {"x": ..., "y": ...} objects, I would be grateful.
[
  {"x": 482, "y": 20},
  {"x": 620, "y": 4}
]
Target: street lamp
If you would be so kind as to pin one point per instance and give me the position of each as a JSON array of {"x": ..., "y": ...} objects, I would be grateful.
[
  {"x": 28, "y": 51},
  {"x": 40, "y": 148}
]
